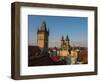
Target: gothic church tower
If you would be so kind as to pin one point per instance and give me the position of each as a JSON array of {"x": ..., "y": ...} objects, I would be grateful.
[
  {"x": 67, "y": 42},
  {"x": 42, "y": 36},
  {"x": 65, "y": 46}
]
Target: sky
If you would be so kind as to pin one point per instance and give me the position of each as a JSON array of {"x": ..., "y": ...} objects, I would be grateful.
[{"x": 75, "y": 27}]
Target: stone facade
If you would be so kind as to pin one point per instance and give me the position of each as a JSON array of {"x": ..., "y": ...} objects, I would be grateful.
[{"x": 42, "y": 36}]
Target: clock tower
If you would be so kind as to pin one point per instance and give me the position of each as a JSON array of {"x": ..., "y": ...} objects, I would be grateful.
[{"x": 42, "y": 36}]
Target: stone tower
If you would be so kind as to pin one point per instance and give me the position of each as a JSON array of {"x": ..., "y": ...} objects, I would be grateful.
[
  {"x": 67, "y": 43},
  {"x": 42, "y": 36},
  {"x": 63, "y": 44}
]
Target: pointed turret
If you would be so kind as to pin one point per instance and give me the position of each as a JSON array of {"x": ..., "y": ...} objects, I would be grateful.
[
  {"x": 67, "y": 38},
  {"x": 38, "y": 30},
  {"x": 67, "y": 43},
  {"x": 62, "y": 39},
  {"x": 43, "y": 26}
]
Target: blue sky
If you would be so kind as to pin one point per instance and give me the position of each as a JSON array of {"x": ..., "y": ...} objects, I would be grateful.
[{"x": 74, "y": 27}]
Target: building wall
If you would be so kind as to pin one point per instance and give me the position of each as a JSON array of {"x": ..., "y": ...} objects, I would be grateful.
[
  {"x": 74, "y": 53},
  {"x": 64, "y": 53},
  {"x": 42, "y": 40}
]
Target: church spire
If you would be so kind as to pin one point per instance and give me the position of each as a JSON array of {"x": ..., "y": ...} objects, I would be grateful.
[
  {"x": 62, "y": 38},
  {"x": 67, "y": 38},
  {"x": 38, "y": 30}
]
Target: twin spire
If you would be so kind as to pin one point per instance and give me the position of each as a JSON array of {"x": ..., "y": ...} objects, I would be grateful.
[{"x": 67, "y": 38}]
